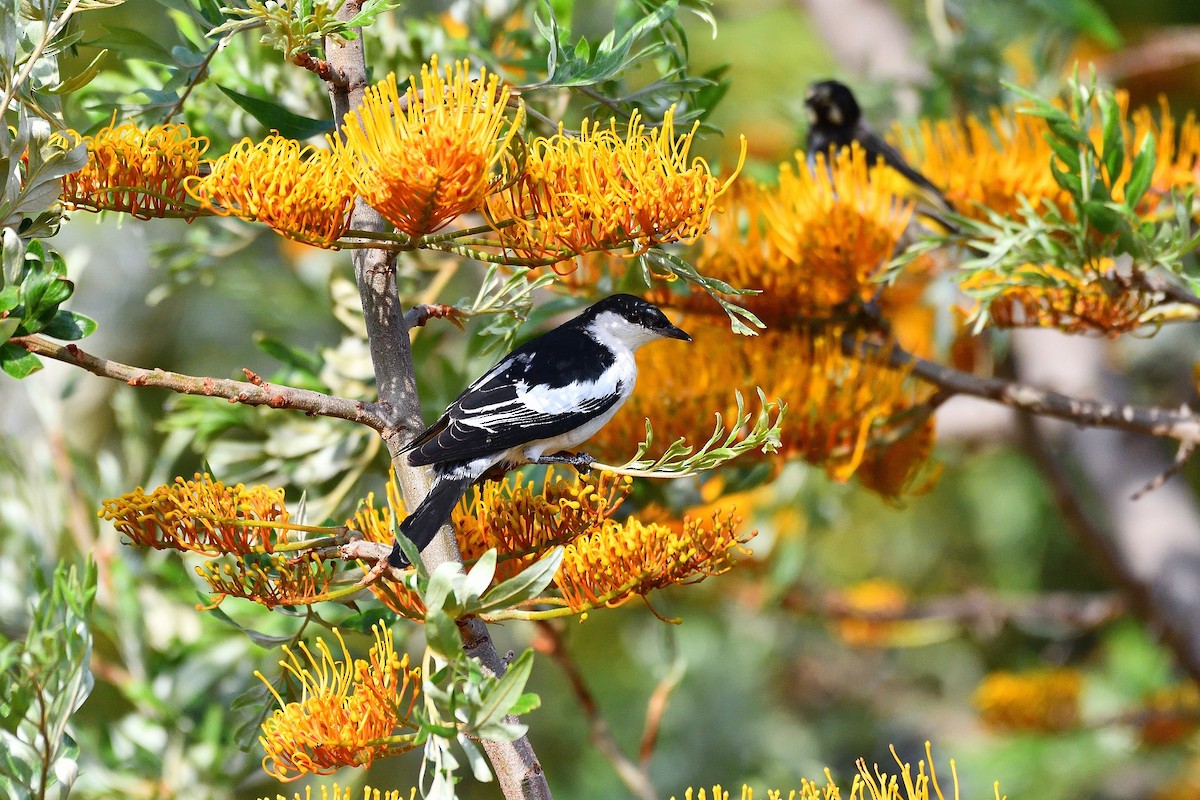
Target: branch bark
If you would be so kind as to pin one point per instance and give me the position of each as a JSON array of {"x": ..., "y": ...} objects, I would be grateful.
[
  {"x": 255, "y": 392},
  {"x": 517, "y": 768}
]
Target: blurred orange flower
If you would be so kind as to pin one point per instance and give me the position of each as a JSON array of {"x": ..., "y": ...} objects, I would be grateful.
[{"x": 1045, "y": 701}]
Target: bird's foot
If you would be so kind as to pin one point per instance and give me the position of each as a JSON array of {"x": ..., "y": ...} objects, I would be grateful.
[{"x": 582, "y": 462}]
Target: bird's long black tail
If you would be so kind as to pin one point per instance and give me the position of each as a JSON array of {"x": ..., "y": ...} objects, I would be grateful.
[{"x": 422, "y": 525}]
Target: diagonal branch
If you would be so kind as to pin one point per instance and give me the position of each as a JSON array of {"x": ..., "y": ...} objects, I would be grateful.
[
  {"x": 255, "y": 392},
  {"x": 1181, "y": 423}
]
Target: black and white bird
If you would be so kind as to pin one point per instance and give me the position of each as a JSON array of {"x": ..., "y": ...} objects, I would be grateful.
[
  {"x": 835, "y": 120},
  {"x": 542, "y": 399}
]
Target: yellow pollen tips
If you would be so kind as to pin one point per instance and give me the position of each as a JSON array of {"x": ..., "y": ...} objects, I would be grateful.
[
  {"x": 301, "y": 192},
  {"x": 202, "y": 516},
  {"x": 140, "y": 171},
  {"x": 347, "y": 709},
  {"x": 428, "y": 156},
  {"x": 605, "y": 191}
]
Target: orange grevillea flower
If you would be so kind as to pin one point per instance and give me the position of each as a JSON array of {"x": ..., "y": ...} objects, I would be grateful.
[
  {"x": 1170, "y": 714},
  {"x": 1178, "y": 145},
  {"x": 523, "y": 520},
  {"x": 201, "y": 515},
  {"x": 1040, "y": 700},
  {"x": 301, "y": 192},
  {"x": 1046, "y": 296},
  {"x": 425, "y": 158},
  {"x": 990, "y": 166},
  {"x": 623, "y": 560},
  {"x": 269, "y": 580},
  {"x": 606, "y": 563},
  {"x": 902, "y": 468},
  {"x": 605, "y": 191},
  {"x": 338, "y": 793},
  {"x": 862, "y": 600},
  {"x": 839, "y": 405},
  {"x": 137, "y": 170},
  {"x": 348, "y": 712},
  {"x": 812, "y": 242}
]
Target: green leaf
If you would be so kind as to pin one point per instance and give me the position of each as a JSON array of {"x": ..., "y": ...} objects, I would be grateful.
[
  {"x": 1113, "y": 139},
  {"x": 292, "y": 356},
  {"x": 277, "y": 118},
  {"x": 8, "y": 326},
  {"x": 441, "y": 634},
  {"x": 131, "y": 43},
  {"x": 480, "y": 576},
  {"x": 13, "y": 258},
  {"x": 1142, "y": 172},
  {"x": 1102, "y": 216},
  {"x": 17, "y": 361},
  {"x": 364, "y": 621},
  {"x": 525, "y": 703},
  {"x": 525, "y": 585},
  {"x": 69, "y": 326},
  {"x": 81, "y": 78},
  {"x": 499, "y": 701}
]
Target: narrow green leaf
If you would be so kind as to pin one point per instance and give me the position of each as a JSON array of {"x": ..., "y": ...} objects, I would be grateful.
[
  {"x": 1142, "y": 172},
  {"x": 1113, "y": 138},
  {"x": 277, "y": 118},
  {"x": 525, "y": 585},
  {"x": 441, "y": 635},
  {"x": 132, "y": 43},
  {"x": 8, "y": 326},
  {"x": 81, "y": 78},
  {"x": 498, "y": 702}
]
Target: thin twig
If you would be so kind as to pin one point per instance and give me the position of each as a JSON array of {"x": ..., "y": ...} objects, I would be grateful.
[
  {"x": 1182, "y": 424},
  {"x": 322, "y": 68},
  {"x": 255, "y": 392},
  {"x": 193, "y": 83}
]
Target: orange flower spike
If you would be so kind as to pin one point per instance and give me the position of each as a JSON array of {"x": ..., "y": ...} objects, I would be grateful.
[
  {"x": 135, "y": 170},
  {"x": 428, "y": 157},
  {"x": 622, "y": 560},
  {"x": 376, "y": 526},
  {"x": 301, "y": 192},
  {"x": 599, "y": 191},
  {"x": 346, "y": 712},
  {"x": 1041, "y": 700},
  {"x": 279, "y": 582},
  {"x": 202, "y": 516},
  {"x": 983, "y": 167},
  {"x": 338, "y": 793}
]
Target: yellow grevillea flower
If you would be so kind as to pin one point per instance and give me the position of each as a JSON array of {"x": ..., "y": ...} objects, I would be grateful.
[
  {"x": 871, "y": 783},
  {"x": 878, "y": 597},
  {"x": 620, "y": 561},
  {"x": 301, "y": 192},
  {"x": 338, "y": 793},
  {"x": 425, "y": 158},
  {"x": 1041, "y": 700},
  {"x": 201, "y": 515},
  {"x": 348, "y": 711},
  {"x": 1053, "y": 297},
  {"x": 1170, "y": 714},
  {"x": 137, "y": 170},
  {"x": 837, "y": 404},
  {"x": 276, "y": 580},
  {"x": 988, "y": 165},
  {"x": 606, "y": 562},
  {"x": 605, "y": 191}
]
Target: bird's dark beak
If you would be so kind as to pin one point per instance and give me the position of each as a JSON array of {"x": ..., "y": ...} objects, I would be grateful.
[{"x": 671, "y": 332}]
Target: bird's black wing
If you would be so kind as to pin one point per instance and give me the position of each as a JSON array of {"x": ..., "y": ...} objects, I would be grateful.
[{"x": 548, "y": 387}]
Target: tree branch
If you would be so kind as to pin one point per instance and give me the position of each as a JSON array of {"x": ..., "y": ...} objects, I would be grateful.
[
  {"x": 255, "y": 392},
  {"x": 1182, "y": 423},
  {"x": 517, "y": 768}
]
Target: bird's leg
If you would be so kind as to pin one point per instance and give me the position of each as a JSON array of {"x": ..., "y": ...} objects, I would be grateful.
[{"x": 582, "y": 462}]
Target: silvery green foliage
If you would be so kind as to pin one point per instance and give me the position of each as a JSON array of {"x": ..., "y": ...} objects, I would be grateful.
[{"x": 43, "y": 680}]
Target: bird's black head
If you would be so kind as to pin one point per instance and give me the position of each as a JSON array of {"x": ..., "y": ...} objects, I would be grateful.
[
  {"x": 632, "y": 319},
  {"x": 832, "y": 103}
]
